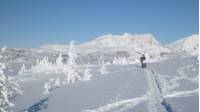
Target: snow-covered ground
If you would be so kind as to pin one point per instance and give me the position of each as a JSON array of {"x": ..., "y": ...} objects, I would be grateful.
[
  {"x": 104, "y": 75},
  {"x": 170, "y": 85}
]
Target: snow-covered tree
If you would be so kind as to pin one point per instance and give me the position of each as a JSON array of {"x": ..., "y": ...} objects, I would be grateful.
[
  {"x": 5, "y": 92},
  {"x": 47, "y": 88},
  {"x": 59, "y": 60},
  {"x": 72, "y": 74},
  {"x": 59, "y": 65},
  {"x": 22, "y": 70},
  {"x": 57, "y": 82},
  {"x": 8, "y": 88},
  {"x": 51, "y": 85},
  {"x": 102, "y": 69},
  {"x": 87, "y": 75}
]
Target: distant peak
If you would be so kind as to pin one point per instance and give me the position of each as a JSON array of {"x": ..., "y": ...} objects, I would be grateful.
[{"x": 125, "y": 39}]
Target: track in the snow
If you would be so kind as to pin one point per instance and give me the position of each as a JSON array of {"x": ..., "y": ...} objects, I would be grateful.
[{"x": 164, "y": 102}]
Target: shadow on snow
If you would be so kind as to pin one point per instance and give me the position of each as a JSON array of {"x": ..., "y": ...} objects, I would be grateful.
[{"x": 37, "y": 106}]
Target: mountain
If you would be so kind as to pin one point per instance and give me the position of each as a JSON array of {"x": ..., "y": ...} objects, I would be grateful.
[
  {"x": 134, "y": 43},
  {"x": 111, "y": 46},
  {"x": 125, "y": 40},
  {"x": 189, "y": 45}
]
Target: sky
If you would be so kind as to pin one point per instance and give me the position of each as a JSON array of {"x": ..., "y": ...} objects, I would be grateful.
[{"x": 32, "y": 23}]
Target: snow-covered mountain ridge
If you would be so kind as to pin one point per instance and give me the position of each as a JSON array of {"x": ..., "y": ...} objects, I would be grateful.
[
  {"x": 134, "y": 44},
  {"x": 125, "y": 40},
  {"x": 111, "y": 46},
  {"x": 189, "y": 45},
  {"x": 142, "y": 43}
]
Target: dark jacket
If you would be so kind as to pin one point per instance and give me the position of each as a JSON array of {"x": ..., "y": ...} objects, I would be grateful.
[{"x": 142, "y": 58}]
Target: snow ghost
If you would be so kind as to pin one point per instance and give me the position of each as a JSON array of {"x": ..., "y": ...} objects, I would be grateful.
[
  {"x": 73, "y": 73},
  {"x": 102, "y": 69},
  {"x": 87, "y": 75}
]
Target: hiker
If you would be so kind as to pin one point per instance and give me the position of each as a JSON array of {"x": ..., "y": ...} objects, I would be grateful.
[{"x": 142, "y": 61}]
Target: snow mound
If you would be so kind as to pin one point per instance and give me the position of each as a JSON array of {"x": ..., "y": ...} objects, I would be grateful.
[{"x": 189, "y": 45}]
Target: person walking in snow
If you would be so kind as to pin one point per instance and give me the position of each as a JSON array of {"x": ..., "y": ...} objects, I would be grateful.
[{"x": 142, "y": 61}]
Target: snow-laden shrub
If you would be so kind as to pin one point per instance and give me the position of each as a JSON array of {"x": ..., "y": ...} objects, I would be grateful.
[
  {"x": 8, "y": 88},
  {"x": 124, "y": 60},
  {"x": 51, "y": 85},
  {"x": 87, "y": 75},
  {"x": 120, "y": 61},
  {"x": 45, "y": 66}
]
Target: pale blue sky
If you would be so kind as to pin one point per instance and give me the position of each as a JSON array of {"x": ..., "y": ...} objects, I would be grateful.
[{"x": 31, "y": 23}]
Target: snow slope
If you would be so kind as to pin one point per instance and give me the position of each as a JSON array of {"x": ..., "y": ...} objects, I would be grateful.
[
  {"x": 189, "y": 44},
  {"x": 166, "y": 86}
]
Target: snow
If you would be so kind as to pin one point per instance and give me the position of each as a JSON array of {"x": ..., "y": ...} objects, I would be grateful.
[
  {"x": 126, "y": 40},
  {"x": 188, "y": 44},
  {"x": 102, "y": 69},
  {"x": 134, "y": 44},
  {"x": 105, "y": 75},
  {"x": 8, "y": 88},
  {"x": 125, "y": 88},
  {"x": 87, "y": 75}
]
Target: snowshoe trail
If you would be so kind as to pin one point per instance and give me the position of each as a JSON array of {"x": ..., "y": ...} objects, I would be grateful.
[{"x": 156, "y": 102}]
